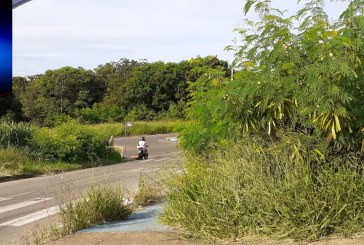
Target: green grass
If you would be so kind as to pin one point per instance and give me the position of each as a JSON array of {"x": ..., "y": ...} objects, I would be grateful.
[
  {"x": 137, "y": 128},
  {"x": 250, "y": 190},
  {"x": 14, "y": 163}
]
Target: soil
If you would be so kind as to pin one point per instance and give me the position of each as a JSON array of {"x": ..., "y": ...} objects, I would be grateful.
[{"x": 174, "y": 238}]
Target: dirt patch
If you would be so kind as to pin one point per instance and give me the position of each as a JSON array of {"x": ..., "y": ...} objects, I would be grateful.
[
  {"x": 174, "y": 238},
  {"x": 127, "y": 238}
]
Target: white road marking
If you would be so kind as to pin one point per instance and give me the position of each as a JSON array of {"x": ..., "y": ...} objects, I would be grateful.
[
  {"x": 4, "y": 199},
  {"x": 32, "y": 217},
  {"x": 22, "y": 204}
]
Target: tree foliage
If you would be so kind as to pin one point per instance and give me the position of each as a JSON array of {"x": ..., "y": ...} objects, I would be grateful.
[
  {"x": 60, "y": 93},
  {"x": 305, "y": 77},
  {"x": 115, "y": 91}
]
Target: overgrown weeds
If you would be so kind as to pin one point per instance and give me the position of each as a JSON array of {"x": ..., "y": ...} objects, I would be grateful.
[
  {"x": 14, "y": 134},
  {"x": 249, "y": 189},
  {"x": 96, "y": 206},
  {"x": 99, "y": 205},
  {"x": 150, "y": 191}
]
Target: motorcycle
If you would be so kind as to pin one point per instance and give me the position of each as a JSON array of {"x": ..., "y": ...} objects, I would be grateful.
[{"x": 142, "y": 152}]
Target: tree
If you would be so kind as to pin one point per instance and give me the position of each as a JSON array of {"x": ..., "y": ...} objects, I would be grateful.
[
  {"x": 306, "y": 78},
  {"x": 11, "y": 107},
  {"x": 163, "y": 87},
  {"x": 60, "y": 93},
  {"x": 115, "y": 76}
]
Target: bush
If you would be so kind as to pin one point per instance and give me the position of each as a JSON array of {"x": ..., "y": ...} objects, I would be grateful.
[
  {"x": 69, "y": 142},
  {"x": 99, "y": 113},
  {"x": 251, "y": 189},
  {"x": 140, "y": 112}
]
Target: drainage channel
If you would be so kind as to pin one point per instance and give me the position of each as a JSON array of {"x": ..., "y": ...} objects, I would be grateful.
[{"x": 141, "y": 220}]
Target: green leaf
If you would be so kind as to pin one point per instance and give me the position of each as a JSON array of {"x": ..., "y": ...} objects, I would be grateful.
[
  {"x": 287, "y": 66},
  {"x": 248, "y": 5}
]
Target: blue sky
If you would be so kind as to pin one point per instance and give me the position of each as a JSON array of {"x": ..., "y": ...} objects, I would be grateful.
[{"x": 49, "y": 34}]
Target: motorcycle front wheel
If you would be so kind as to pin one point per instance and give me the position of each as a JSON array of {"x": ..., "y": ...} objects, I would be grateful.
[{"x": 140, "y": 156}]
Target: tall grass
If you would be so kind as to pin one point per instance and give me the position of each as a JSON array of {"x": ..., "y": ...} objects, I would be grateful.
[
  {"x": 253, "y": 190},
  {"x": 150, "y": 191},
  {"x": 99, "y": 205},
  {"x": 14, "y": 134},
  {"x": 137, "y": 128}
]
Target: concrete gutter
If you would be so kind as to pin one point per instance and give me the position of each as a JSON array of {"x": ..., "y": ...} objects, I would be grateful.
[{"x": 141, "y": 220}]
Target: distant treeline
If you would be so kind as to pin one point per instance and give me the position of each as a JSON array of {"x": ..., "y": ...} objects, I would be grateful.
[{"x": 115, "y": 91}]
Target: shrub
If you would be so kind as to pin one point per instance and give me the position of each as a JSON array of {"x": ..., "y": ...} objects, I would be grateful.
[
  {"x": 99, "y": 113},
  {"x": 140, "y": 112},
  {"x": 70, "y": 142}
]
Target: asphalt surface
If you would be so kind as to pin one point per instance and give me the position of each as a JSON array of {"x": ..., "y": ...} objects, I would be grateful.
[{"x": 28, "y": 204}]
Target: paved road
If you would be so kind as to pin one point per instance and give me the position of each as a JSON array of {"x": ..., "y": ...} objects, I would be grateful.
[{"x": 27, "y": 204}]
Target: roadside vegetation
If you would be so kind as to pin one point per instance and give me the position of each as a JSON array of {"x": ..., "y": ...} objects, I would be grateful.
[
  {"x": 246, "y": 189},
  {"x": 15, "y": 164},
  {"x": 28, "y": 151},
  {"x": 151, "y": 190},
  {"x": 275, "y": 149},
  {"x": 99, "y": 205},
  {"x": 278, "y": 150},
  {"x": 138, "y": 128}
]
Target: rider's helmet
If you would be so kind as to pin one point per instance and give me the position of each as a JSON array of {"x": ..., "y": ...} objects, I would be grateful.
[{"x": 142, "y": 138}]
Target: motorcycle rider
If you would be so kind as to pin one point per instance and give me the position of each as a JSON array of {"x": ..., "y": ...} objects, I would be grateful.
[
  {"x": 142, "y": 143},
  {"x": 142, "y": 149}
]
